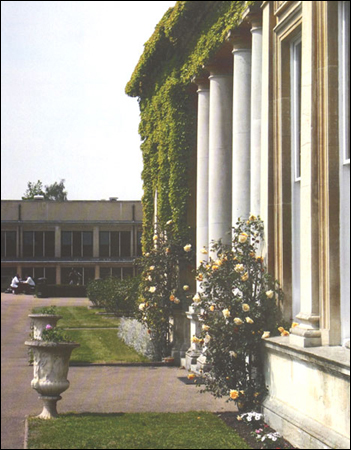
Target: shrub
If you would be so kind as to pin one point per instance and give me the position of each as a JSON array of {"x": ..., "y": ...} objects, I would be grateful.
[
  {"x": 238, "y": 300},
  {"x": 115, "y": 295}
]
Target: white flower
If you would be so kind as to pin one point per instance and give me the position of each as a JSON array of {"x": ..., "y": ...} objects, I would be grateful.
[
  {"x": 142, "y": 306},
  {"x": 233, "y": 354},
  {"x": 152, "y": 289},
  {"x": 207, "y": 339},
  {"x": 169, "y": 222},
  {"x": 176, "y": 301},
  {"x": 205, "y": 327},
  {"x": 187, "y": 248}
]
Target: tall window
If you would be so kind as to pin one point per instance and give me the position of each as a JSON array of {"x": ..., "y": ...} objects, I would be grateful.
[
  {"x": 344, "y": 166},
  {"x": 295, "y": 115},
  {"x": 38, "y": 243},
  {"x": 77, "y": 243},
  {"x": 114, "y": 244},
  {"x": 8, "y": 243}
]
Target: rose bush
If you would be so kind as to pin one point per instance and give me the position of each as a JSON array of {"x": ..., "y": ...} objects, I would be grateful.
[
  {"x": 239, "y": 303},
  {"x": 163, "y": 288}
]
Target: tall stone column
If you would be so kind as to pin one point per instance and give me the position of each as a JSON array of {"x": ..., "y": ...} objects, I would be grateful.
[
  {"x": 202, "y": 166},
  {"x": 256, "y": 97},
  {"x": 220, "y": 154},
  {"x": 201, "y": 203},
  {"x": 241, "y": 123}
]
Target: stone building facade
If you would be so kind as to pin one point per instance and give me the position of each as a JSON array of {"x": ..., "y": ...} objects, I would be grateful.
[
  {"x": 273, "y": 140},
  {"x": 47, "y": 238}
]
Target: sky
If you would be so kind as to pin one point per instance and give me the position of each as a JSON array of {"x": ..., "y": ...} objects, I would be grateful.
[{"x": 64, "y": 112}]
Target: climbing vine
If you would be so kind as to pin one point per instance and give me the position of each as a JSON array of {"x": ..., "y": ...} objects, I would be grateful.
[{"x": 185, "y": 39}]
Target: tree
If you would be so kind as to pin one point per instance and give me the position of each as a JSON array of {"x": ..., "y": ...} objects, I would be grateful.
[{"x": 53, "y": 191}]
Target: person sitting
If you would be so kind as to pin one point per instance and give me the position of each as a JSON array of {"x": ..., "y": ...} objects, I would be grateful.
[
  {"x": 28, "y": 285},
  {"x": 15, "y": 283}
]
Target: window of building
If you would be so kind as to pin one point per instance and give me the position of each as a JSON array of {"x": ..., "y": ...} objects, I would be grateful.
[
  {"x": 114, "y": 244},
  {"x": 38, "y": 243},
  {"x": 77, "y": 243},
  {"x": 8, "y": 244},
  {"x": 295, "y": 115},
  {"x": 344, "y": 166}
]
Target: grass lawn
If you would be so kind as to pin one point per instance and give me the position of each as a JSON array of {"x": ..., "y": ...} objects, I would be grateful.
[
  {"x": 192, "y": 430},
  {"x": 82, "y": 317},
  {"x": 102, "y": 346},
  {"x": 97, "y": 344}
]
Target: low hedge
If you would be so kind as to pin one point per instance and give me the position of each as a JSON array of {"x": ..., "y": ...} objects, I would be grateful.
[
  {"x": 116, "y": 296},
  {"x": 60, "y": 290}
]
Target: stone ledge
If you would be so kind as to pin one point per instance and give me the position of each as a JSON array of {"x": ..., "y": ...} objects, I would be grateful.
[
  {"x": 330, "y": 359},
  {"x": 300, "y": 430}
]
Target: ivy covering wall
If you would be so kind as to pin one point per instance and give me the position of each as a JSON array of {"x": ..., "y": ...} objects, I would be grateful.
[{"x": 186, "y": 38}]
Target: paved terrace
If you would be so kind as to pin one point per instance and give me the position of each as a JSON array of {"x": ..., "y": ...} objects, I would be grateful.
[{"x": 101, "y": 389}]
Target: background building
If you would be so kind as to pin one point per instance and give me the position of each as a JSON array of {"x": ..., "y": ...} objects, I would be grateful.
[
  {"x": 48, "y": 238},
  {"x": 265, "y": 131}
]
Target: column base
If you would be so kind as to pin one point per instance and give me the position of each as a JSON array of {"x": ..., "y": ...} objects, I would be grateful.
[
  {"x": 307, "y": 333},
  {"x": 202, "y": 365},
  {"x": 191, "y": 358}
]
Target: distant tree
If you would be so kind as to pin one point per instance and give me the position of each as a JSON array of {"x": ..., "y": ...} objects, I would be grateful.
[{"x": 55, "y": 191}]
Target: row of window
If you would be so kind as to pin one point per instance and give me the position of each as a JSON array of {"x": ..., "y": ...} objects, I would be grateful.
[
  {"x": 85, "y": 274},
  {"x": 73, "y": 244}
]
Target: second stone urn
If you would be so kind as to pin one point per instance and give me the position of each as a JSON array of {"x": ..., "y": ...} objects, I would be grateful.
[
  {"x": 40, "y": 321},
  {"x": 51, "y": 364}
]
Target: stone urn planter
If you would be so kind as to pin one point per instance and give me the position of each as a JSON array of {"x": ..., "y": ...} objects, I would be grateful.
[
  {"x": 51, "y": 364},
  {"x": 40, "y": 321}
]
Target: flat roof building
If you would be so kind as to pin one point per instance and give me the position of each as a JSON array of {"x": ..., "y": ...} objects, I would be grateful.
[{"x": 47, "y": 239}]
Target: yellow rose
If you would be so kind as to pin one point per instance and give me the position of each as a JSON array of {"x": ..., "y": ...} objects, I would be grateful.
[
  {"x": 243, "y": 238},
  {"x": 249, "y": 320},
  {"x": 234, "y": 394},
  {"x": 294, "y": 324},
  {"x": 226, "y": 313},
  {"x": 285, "y": 333},
  {"x": 212, "y": 307},
  {"x": 238, "y": 321},
  {"x": 169, "y": 222},
  {"x": 239, "y": 268},
  {"x": 233, "y": 354},
  {"x": 252, "y": 217},
  {"x": 172, "y": 298},
  {"x": 191, "y": 376},
  {"x": 155, "y": 237},
  {"x": 142, "y": 306},
  {"x": 152, "y": 289},
  {"x": 204, "y": 251},
  {"x": 185, "y": 287},
  {"x": 197, "y": 298},
  {"x": 205, "y": 327},
  {"x": 246, "y": 307},
  {"x": 187, "y": 248},
  {"x": 215, "y": 267},
  {"x": 152, "y": 268},
  {"x": 281, "y": 329},
  {"x": 245, "y": 277},
  {"x": 269, "y": 294},
  {"x": 266, "y": 334},
  {"x": 176, "y": 301}
]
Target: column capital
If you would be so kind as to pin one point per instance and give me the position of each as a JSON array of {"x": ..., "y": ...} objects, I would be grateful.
[
  {"x": 219, "y": 67},
  {"x": 240, "y": 39},
  {"x": 202, "y": 82},
  {"x": 253, "y": 16}
]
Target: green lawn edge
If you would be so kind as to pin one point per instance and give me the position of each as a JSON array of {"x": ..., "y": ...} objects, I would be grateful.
[{"x": 189, "y": 430}]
